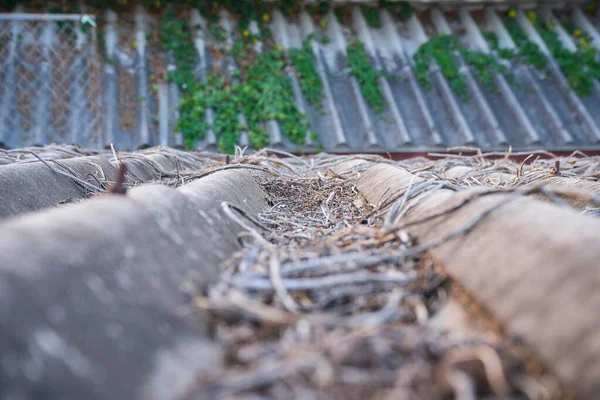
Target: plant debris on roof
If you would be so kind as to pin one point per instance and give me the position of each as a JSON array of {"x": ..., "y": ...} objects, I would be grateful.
[
  {"x": 329, "y": 300},
  {"x": 326, "y": 276}
]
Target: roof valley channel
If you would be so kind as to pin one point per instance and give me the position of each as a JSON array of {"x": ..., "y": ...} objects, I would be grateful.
[
  {"x": 591, "y": 102},
  {"x": 576, "y": 105},
  {"x": 447, "y": 101},
  {"x": 413, "y": 107},
  {"x": 390, "y": 137},
  {"x": 355, "y": 114},
  {"x": 541, "y": 100},
  {"x": 516, "y": 108},
  {"x": 143, "y": 138},
  {"x": 225, "y": 19},
  {"x": 169, "y": 96},
  {"x": 203, "y": 66},
  {"x": 43, "y": 99},
  {"x": 334, "y": 136},
  {"x": 8, "y": 99},
  {"x": 276, "y": 138},
  {"x": 489, "y": 121},
  {"x": 110, "y": 88},
  {"x": 281, "y": 29}
]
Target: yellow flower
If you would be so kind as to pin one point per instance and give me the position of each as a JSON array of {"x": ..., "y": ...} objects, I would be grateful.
[
  {"x": 246, "y": 33},
  {"x": 323, "y": 22},
  {"x": 531, "y": 16},
  {"x": 512, "y": 13},
  {"x": 577, "y": 32},
  {"x": 266, "y": 17},
  {"x": 278, "y": 47}
]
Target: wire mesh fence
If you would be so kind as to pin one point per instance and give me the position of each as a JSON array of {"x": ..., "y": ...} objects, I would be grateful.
[{"x": 50, "y": 80}]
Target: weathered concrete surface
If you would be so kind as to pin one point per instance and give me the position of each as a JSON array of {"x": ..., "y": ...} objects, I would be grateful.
[
  {"x": 89, "y": 293},
  {"x": 533, "y": 265},
  {"x": 33, "y": 186}
]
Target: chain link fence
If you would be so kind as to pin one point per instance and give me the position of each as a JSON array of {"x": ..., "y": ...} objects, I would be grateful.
[{"x": 50, "y": 80}]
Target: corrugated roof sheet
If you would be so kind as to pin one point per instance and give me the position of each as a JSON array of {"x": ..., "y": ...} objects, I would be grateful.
[
  {"x": 204, "y": 285},
  {"x": 538, "y": 111}
]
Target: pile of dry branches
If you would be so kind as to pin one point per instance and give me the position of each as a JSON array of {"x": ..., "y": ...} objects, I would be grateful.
[{"x": 327, "y": 300}]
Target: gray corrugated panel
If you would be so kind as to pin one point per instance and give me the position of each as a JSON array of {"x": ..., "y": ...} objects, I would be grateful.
[
  {"x": 291, "y": 40},
  {"x": 203, "y": 65},
  {"x": 365, "y": 135},
  {"x": 393, "y": 133},
  {"x": 584, "y": 23},
  {"x": 276, "y": 137},
  {"x": 7, "y": 100},
  {"x": 44, "y": 97},
  {"x": 349, "y": 103},
  {"x": 486, "y": 118},
  {"x": 142, "y": 83},
  {"x": 540, "y": 102},
  {"x": 592, "y": 103},
  {"x": 576, "y": 104},
  {"x": 515, "y": 107},
  {"x": 407, "y": 92},
  {"x": 448, "y": 115},
  {"x": 333, "y": 135},
  {"x": 540, "y": 110},
  {"x": 110, "y": 92}
]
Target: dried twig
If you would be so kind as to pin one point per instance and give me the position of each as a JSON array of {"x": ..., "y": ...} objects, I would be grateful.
[
  {"x": 278, "y": 285},
  {"x": 115, "y": 154},
  {"x": 68, "y": 175}
]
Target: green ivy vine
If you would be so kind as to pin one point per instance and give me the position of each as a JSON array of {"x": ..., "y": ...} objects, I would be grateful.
[
  {"x": 260, "y": 89},
  {"x": 443, "y": 50},
  {"x": 359, "y": 65},
  {"x": 579, "y": 67},
  {"x": 310, "y": 81}
]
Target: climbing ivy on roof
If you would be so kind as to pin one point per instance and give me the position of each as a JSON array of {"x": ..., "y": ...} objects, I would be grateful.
[
  {"x": 526, "y": 50},
  {"x": 399, "y": 9},
  {"x": 260, "y": 90},
  {"x": 304, "y": 64},
  {"x": 322, "y": 7},
  {"x": 175, "y": 37},
  {"x": 360, "y": 67},
  {"x": 372, "y": 16},
  {"x": 579, "y": 67},
  {"x": 440, "y": 50},
  {"x": 443, "y": 50}
]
